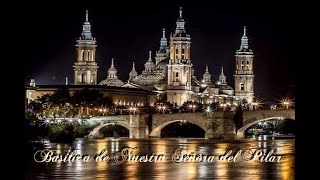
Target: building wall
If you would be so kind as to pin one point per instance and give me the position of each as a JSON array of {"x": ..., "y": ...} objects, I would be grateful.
[
  {"x": 122, "y": 96},
  {"x": 178, "y": 97}
]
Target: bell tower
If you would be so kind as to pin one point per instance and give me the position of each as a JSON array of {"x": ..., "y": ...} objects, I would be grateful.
[
  {"x": 85, "y": 66},
  {"x": 244, "y": 70},
  {"x": 179, "y": 66}
]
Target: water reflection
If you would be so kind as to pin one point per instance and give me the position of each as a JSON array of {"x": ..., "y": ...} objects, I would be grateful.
[{"x": 168, "y": 170}]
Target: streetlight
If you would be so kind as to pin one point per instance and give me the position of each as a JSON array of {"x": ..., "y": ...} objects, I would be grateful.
[
  {"x": 286, "y": 103},
  {"x": 193, "y": 107},
  {"x": 256, "y": 104},
  {"x": 162, "y": 107},
  {"x": 133, "y": 109},
  {"x": 223, "y": 106}
]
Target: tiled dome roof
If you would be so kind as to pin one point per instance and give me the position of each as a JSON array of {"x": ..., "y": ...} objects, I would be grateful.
[{"x": 111, "y": 82}]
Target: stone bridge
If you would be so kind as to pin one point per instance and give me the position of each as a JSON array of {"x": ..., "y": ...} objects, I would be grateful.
[{"x": 217, "y": 125}]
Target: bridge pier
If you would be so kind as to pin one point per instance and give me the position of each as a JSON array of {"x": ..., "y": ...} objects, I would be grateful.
[
  {"x": 240, "y": 135},
  {"x": 138, "y": 127},
  {"x": 221, "y": 126}
]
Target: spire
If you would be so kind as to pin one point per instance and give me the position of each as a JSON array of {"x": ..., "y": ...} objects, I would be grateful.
[
  {"x": 222, "y": 77},
  {"x": 180, "y": 23},
  {"x": 163, "y": 33},
  {"x": 180, "y": 13},
  {"x": 112, "y": 72},
  {"x": 163, "y": 41},
  {"x": 133, "y": 68},
  {"x": 206, "y": 76},
  {"x": 112, "y": 63},
  {"x": 149, "y": 66},
  {"x": 150, "y": 59},
  {"x": 244, "y": 40},
  {"x": 133, "y": 73},
  {"x": 87, "y": 16},
  {"x": 86, "y": 29}
]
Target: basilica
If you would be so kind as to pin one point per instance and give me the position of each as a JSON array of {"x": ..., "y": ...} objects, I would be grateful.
[{"x": 170, "y": 72}]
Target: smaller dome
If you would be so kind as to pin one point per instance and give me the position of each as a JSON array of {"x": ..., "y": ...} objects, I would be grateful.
[
  {"x": 149, "y": 64},
  {"x": 113, "y": 69},
  {"x": 111, "y": 82}
]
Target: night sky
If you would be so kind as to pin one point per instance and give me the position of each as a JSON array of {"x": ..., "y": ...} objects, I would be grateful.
[{"x": 128, "y": 32}]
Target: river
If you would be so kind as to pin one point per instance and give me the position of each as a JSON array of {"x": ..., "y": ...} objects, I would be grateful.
[{"x": 241, "y": 169}]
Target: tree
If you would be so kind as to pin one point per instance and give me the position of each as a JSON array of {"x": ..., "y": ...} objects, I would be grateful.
[
  {"x": 238, "y": 117},
  {"x": 35, "y": 106},
  {"x": 86, "y": 97},
  {"x": 60, "y": 97}
]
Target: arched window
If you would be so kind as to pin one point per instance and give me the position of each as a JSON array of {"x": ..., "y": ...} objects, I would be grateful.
[
  {"x": 241, "y": 86},
  {"x": 82, "y": 55},
  {"x": 177, "y": 52},
  {"x": 182, "y": 54},
  {"x": 83, "y": 77},
  {"x": 92, "y": 58},
  {"x": 177, "y": 76}
]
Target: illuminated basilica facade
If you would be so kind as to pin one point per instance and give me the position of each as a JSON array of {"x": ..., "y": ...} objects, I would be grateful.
[{"x": 170, "y": 72}]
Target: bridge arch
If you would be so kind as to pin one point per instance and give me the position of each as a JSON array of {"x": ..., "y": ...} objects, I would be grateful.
[
  {"x": 95, "y": 131},
  {"x": 156, "y": 132},
  {"x": 241, "y": 131},
  {"x": 252, "y": 117}
]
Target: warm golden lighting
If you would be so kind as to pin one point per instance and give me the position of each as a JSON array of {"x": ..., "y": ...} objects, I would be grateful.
[
  {"x": 223, "y": 106},
  {"x": 286, "y": 103},
  {"x": 133, "y": 109},
  {"x": 100, "y": 146},
  {"x": 162, "y": 108},
  {"x": 192, "y": 107},
  {"x": 208, "y": 110},
  {"x": 256, "y": 104}
]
